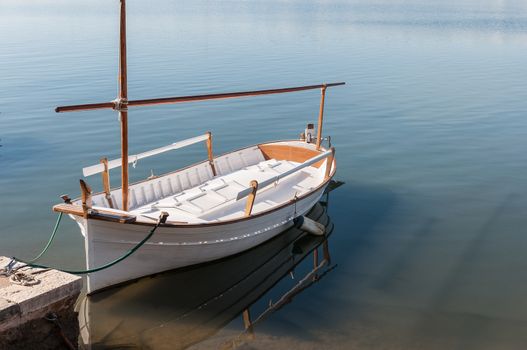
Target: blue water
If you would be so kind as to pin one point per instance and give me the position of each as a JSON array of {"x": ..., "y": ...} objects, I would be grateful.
[{"x": 430, "y": 132}]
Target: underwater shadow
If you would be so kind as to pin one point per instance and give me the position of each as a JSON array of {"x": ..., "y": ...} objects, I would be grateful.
[{"x": 357, "y": 210}]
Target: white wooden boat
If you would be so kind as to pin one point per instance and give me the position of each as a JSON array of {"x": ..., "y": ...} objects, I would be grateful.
[{"x": 219, "y": 207}]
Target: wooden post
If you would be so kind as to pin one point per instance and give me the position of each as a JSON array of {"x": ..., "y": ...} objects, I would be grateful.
[
  {"x": 250, "y": 198},
  {"x": 122, "y": 106},
  {"x": 106, "y": 181},
  {"x": 85, "y": 197},
  {"x": 329, "y": 162},
  {"x": 210, "y": 154},
  {"x": 321, "y": 115}
]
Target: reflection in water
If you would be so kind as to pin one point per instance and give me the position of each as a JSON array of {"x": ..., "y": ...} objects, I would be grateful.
[{"x": 181, "y": 308}]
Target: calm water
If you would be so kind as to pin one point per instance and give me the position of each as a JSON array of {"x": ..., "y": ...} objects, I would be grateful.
[{"x": 431, "y": 138}]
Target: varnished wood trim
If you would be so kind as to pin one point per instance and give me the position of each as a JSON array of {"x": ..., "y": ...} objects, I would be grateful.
[
  {"x": 85, "y": 197},
  {"x": 329, "y": 163},
  {"x": 289, "y": 152},
  {"x": 210, "y": 154},
  {"x": 124, "y": 158},
  {"x": 69, "y": 209},
  {"x": 250, "y": 198},
  {"x": 122, "y": 219},
  {"x": 78, "y": 210},
  {"x": 321, "y": 115},
  {"x": 123, "y": 74},
  {"x": 105, "y": 174},
  {"x": 123, "y": 98},
  {"x": 194, "y": 98}
]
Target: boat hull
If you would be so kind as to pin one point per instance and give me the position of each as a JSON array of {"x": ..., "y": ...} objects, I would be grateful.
[{"x": 172, "y": 247}]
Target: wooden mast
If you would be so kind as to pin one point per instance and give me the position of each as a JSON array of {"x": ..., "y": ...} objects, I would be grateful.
[{"x": 122, "y": 106}]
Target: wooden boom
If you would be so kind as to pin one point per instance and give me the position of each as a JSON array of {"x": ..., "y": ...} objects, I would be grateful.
[{"x": 192, "y": 98}]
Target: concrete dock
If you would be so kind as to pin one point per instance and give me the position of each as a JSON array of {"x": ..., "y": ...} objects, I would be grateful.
[{"x": 39, "y": 314}]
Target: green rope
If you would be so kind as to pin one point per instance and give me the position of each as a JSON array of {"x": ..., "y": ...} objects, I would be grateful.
[
  {"x": 107, "y": 265},
  {"x": 55, "y": 229}
]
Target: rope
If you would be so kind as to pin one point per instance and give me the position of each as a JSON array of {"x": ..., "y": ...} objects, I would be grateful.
[
  {"x": 23, "y": 279},
  {"x": 161, "y": 220},
  {"x": 10, "y": 270},
  {"x": 55, "y": 229}
]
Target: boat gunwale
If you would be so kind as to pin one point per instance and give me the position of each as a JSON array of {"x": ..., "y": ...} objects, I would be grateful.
[{"x": 226, "y": 222}]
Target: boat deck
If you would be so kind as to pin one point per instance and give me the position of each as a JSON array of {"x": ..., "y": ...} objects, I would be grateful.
[{"x": 215, "y": 199}]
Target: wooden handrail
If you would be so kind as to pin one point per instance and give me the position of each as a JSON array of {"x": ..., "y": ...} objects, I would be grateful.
[
  {"x": 192, "y": 98},
  {"x": 97, "y": 168},
  {"x": 263, "y": 184}
]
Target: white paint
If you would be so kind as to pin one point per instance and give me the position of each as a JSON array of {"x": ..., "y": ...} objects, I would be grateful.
[
  {"x": 208, "y": 203},
  {"x": 115, "y": 163},
  {"x": 281, "y": 175}
]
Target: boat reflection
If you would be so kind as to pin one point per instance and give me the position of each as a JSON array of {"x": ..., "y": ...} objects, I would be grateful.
[{"x": 177, "y": 309}]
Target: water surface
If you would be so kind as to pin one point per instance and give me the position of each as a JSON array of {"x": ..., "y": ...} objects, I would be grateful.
[{"x": 430, "y": 132}]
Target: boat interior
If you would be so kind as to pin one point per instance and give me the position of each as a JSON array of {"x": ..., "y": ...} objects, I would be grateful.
[{"x": 214, "y": 190}]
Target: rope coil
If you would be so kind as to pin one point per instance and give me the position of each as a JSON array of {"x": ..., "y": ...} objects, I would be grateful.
[{"x": 23, "y": 279}]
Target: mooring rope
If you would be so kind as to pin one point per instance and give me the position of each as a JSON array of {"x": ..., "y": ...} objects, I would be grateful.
[
  {"x": 24, "y": 279},
  {"x": 162, "y": 219},
  {"x": 55, "y": 229},
  {"x": 19, "y": 277}
]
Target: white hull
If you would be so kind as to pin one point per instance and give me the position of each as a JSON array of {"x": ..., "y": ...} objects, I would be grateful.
[
  {"x": 211, "y": 215},
  {"x": 172, "y": 248}
]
